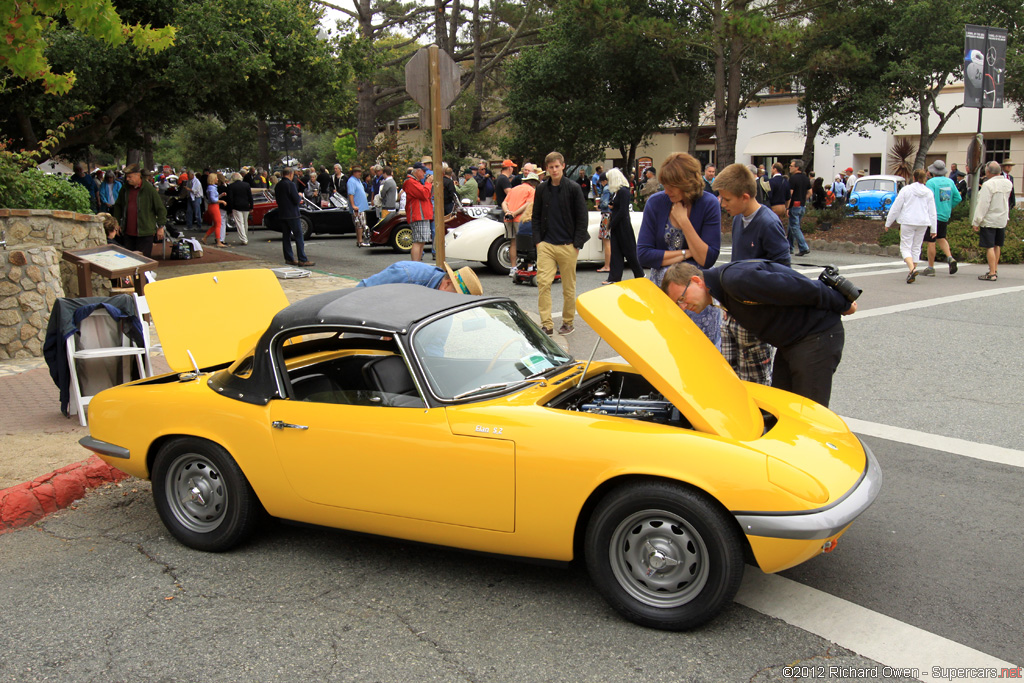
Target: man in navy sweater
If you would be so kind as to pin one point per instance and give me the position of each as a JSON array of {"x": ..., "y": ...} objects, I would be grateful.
[
  {"x": 797, "y": 315},
  {"x": 757, "y": 233}
]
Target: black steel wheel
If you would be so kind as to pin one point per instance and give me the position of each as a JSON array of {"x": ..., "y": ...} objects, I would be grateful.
[
  {"x": 663, "y": 555},
  {"x": 307, "y": 227},
  {"x": 401, "y": 238},
  {"x": 499, "y": 256},
  {"x": 201, "y": 495}
]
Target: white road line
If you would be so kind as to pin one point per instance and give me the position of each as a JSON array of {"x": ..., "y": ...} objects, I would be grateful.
[
  {"x": 935, "y": 442},
  {"x": 939, "y": 301},
  {"x": 898, "y": 269},
  {"x": 871, "y": 634}
]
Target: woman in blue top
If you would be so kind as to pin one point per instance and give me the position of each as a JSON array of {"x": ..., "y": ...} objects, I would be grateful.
[{"x": 682, "y": 223}]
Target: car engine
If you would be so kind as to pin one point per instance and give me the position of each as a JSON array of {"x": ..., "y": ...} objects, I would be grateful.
[{"x": 622, "y": 395}]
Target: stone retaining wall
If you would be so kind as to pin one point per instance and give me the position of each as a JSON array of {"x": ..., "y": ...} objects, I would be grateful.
[
  {"x": 61, "y": 230},
  {"x": 33, "y": 274}
]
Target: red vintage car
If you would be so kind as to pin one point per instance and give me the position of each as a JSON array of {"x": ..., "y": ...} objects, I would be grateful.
[
  {"x": 262, "y": 202},
  {"x": 394, "y": 231}
]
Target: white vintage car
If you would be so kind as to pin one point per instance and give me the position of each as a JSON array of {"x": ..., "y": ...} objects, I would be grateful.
[{"x": 483, "y": 240}]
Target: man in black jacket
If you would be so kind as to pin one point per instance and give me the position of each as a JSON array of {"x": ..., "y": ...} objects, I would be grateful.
[
  {"x": 288, "y": 213},
  {"x": 797, "y": 315},
  {"x": 559, "y": 231},
  {"x": 239, "y": 199}
]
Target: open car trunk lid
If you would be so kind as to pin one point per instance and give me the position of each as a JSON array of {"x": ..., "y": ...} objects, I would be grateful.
[
  {"x": 215, "y": 316},
  {"x": 658, "y": 339}
]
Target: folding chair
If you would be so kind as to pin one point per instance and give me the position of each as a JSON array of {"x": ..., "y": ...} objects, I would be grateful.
[{"x": 99, "y": 349}]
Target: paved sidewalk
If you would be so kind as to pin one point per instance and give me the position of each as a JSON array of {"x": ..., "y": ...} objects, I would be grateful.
[{"x": 39, "y": 446}]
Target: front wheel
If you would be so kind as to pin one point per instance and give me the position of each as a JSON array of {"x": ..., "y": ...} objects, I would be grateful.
[
  {"x": 307, "y": 228},
  {"x": 664, "y": 556},
  {"x": 401, "y": 238},
  {"x": 202, "y": 496},
  {"x": 499, "y": 256}
]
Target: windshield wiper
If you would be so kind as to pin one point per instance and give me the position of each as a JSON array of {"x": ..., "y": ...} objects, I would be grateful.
[{"x": 499, "y": 385}]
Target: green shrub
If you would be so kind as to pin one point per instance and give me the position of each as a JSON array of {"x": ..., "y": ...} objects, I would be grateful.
[
  {"x": 889, "y": 237},
  {"x": 33, "y": 189}
]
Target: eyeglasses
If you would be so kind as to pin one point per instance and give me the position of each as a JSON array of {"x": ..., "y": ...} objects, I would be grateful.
[{"x": 681, "y": 301}]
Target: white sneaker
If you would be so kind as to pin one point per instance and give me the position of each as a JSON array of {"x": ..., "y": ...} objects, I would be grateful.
[{"x": 512, "y": 271}]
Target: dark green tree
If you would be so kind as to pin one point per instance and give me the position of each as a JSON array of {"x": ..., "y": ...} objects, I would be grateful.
[{"x": 259, "y": 58}]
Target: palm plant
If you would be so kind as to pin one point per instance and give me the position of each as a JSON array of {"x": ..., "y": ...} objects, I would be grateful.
[{"x": 901, "y": 158}]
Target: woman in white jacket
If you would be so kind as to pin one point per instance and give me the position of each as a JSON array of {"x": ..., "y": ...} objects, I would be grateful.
[{"x": 914, "y": 210}]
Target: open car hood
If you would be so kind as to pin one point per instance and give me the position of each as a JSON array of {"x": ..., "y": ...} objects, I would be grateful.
[
  {"x": 215, "y": 316},
  {"x": 657, "y": 338}
]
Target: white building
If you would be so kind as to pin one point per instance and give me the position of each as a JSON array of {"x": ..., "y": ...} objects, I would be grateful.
[{"x": 772, "y": 130}]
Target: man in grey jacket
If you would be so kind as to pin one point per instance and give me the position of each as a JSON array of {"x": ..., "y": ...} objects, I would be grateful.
[{"x": 388, "y": 193}]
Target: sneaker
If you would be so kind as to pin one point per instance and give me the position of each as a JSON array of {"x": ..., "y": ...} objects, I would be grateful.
[
  {"x": 548, "y": 331},
  {"x": 804, "y": 253},
  {"x": 929, "y": 271},
  {"x": 952, "y": 267},
  {"x": 512, "y": 271},
  {"x": 566, "y": 329}
]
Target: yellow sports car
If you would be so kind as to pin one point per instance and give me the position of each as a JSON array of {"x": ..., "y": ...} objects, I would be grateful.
[{"x": 449, "y": 419}]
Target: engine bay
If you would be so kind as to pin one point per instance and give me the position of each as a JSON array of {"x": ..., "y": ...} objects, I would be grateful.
[{"x": 623, "y": 395}]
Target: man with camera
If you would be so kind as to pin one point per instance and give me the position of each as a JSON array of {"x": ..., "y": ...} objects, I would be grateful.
[{"x": 799, "y": 316}]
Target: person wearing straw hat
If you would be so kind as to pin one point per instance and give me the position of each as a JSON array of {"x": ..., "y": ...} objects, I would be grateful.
[{"x": 461, "y": 281}]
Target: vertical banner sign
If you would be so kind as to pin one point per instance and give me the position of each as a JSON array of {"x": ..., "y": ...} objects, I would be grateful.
[{"x": 984, "y": 67}]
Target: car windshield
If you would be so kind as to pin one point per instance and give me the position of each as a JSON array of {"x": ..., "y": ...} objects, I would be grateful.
[
  {"x": 484, "y": 350},
  {"x": 875, "y": 185}
]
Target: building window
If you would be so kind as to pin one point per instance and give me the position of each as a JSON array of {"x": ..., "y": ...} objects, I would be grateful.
[{"x": 997, "y": 149}]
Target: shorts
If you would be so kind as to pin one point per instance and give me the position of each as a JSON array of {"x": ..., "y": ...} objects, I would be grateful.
[
  {"x": 991, "y": 237},
  {"x": 940, "y": 232},
  {"x": 510, "y": 229},
  {"x": 421, "y": 232}
]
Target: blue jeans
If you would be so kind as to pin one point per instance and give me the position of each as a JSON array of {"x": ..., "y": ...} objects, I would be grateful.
[
  {"x": 293, "y": 230},
  {"x": 796, "y": 235},
  {"x": 194, "y": 213}
]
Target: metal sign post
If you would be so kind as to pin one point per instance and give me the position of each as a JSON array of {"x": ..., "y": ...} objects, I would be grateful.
[{"x": 432, "y": 80}]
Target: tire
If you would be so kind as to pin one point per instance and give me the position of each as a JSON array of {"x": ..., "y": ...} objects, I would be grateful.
[
  {"x": 179, "y": 216},
  {"x": 499, "y": 256},
  {"x": 663, "y": 555},
  {"x": 202, "y": 496},
  {"x": 401, "y": 238},
  {"x": 307, "y": 227}
]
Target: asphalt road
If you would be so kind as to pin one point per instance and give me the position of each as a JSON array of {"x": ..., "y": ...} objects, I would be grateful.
[{"x": 931, "y": 573}]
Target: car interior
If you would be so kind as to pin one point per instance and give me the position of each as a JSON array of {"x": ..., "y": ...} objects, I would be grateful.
[{"x": 349, "y": 369}]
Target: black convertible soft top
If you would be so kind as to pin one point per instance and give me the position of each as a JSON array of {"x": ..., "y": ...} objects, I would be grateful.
[
  {"x": 387, "y": 309},
  {"x": 393, "y": 308}
]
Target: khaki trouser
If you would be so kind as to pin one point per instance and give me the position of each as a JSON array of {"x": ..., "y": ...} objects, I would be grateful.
[
  {"x": 241, "y": 220},
  {"x": 552, "y": 258}
]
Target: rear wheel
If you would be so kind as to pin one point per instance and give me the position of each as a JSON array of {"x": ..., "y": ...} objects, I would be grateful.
[
  {"x": 307, "y": 227},
  {"x": 401, "y": 238},
  {"x": 499, "y": 256},
  {"x": 664, "y": 555},
  {"x": 179, "y": 215},
  {"x": 202, "y": 496}
]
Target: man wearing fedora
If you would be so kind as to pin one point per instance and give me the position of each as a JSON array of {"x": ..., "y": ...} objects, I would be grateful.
[
  {"x": 461, "y": 281},
  {"x": 1007, "y": 167},
  {"x": 946, "y": 197}
]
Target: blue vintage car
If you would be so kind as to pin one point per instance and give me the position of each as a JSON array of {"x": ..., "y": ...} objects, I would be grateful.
[{"x": 872, "y": 195}]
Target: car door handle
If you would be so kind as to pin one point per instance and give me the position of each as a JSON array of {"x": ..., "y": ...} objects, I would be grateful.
[{"x": 277, "y": 424}]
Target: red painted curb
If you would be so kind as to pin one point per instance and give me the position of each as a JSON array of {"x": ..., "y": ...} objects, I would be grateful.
[{"x": 27, "y": 503}]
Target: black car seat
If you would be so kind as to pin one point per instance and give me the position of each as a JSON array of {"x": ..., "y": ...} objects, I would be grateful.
[{"x": 390, "y": 376}]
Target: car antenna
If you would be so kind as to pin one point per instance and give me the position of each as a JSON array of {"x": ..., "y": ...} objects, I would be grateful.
[{"x": 589, "y": 361}]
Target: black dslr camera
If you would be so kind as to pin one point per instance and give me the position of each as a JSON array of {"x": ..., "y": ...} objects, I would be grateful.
[{"x": 831, "y": 277}]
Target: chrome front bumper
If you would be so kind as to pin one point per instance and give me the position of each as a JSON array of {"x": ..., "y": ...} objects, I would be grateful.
[{"x": 823, "y": 522}]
